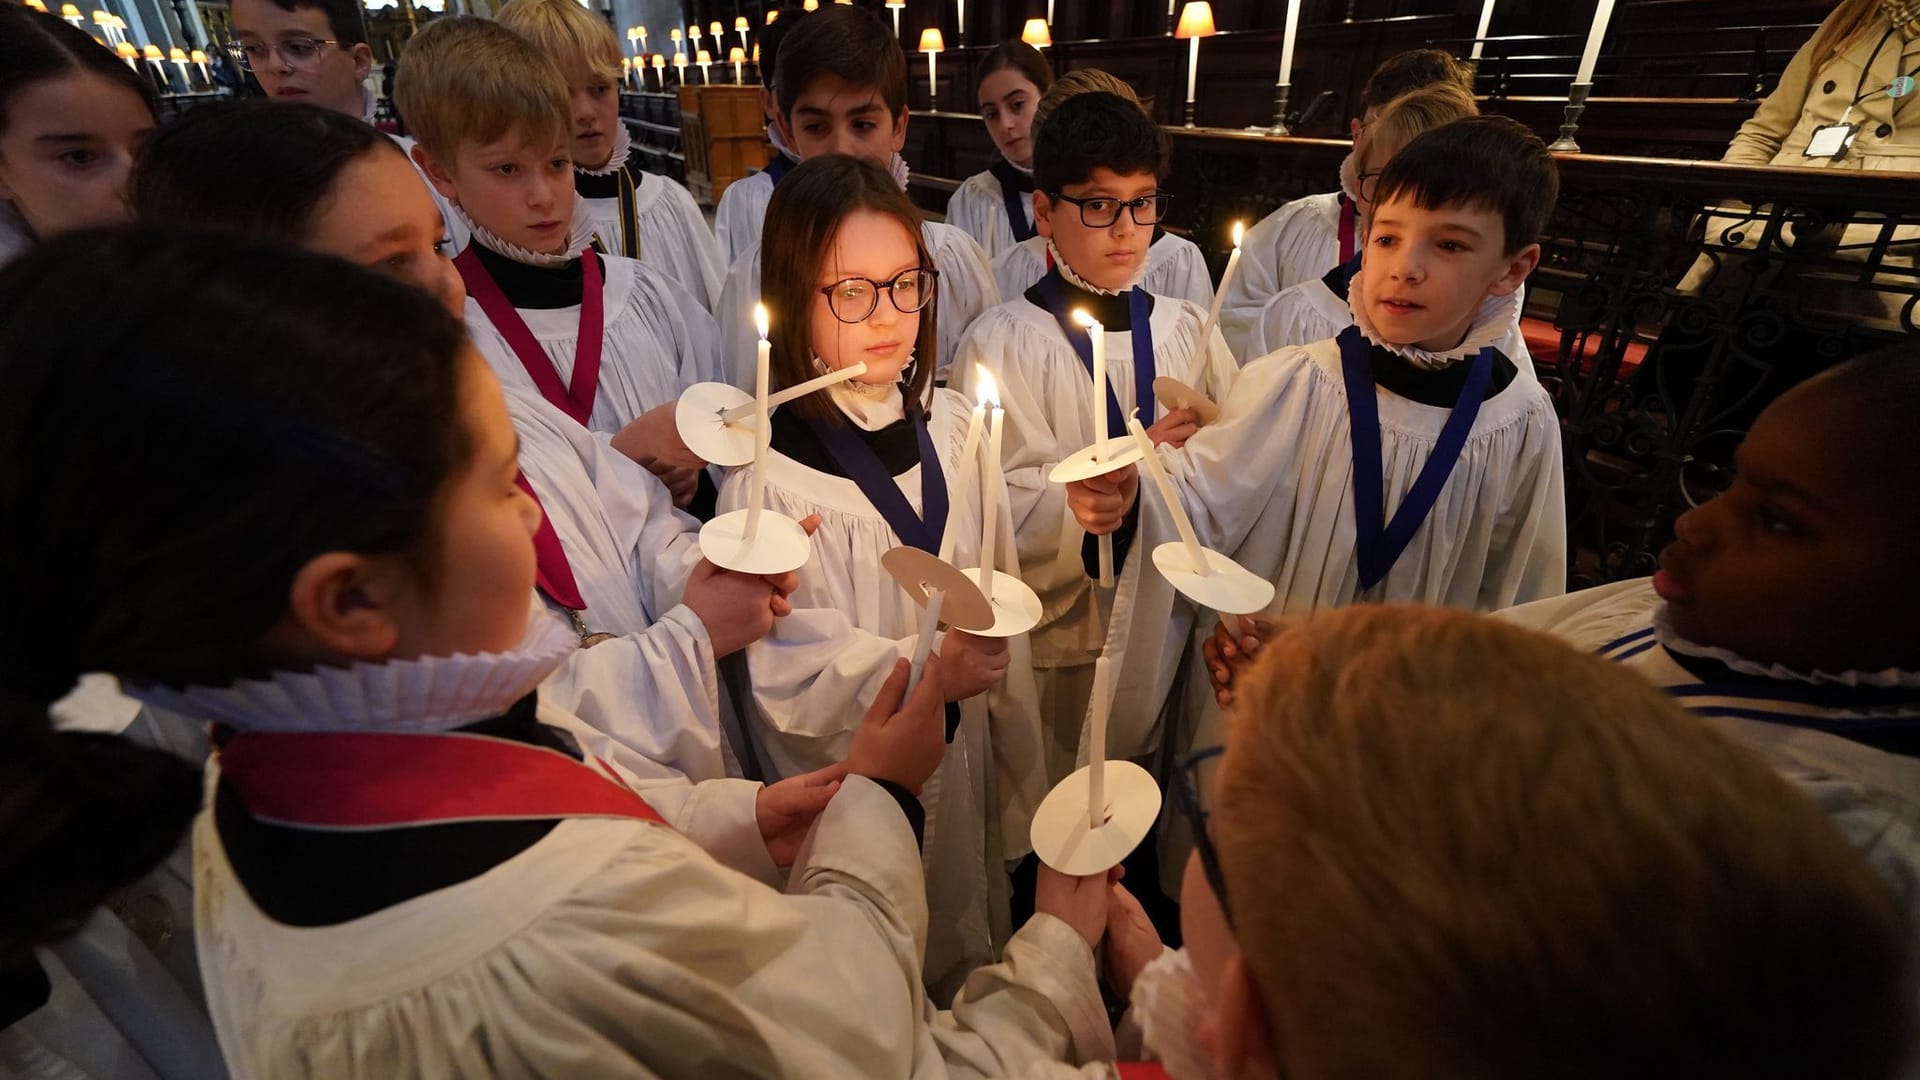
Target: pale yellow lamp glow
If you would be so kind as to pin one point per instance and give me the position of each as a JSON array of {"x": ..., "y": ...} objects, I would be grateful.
[
  {"x": 1037, "y": 34},
  {"x": 1196, "y": 20}
]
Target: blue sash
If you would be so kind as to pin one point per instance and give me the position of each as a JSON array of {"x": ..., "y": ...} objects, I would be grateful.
[
  {"x": 865, "y": 469},
  {"x": 1380, "y": 543},
  {"x": 1013, "y": 184},
  {"x": 1053, "y": 290}
]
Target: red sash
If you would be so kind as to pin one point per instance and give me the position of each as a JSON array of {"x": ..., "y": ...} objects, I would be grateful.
[
  {"x": 1141, "y": 1070},
  {"x": 575, "y": 400},
  {"x": 1349, "y": 220},
  {"x": 551, "y": 572},
  {"x": 378, "y": 780}
]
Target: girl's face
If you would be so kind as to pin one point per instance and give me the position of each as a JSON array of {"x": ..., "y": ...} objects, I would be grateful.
[
  {"x": 68, "y": 149},
  {"x": 868, "y": 245},
  {"x": 380, "y": 216},
  {"x": 594, "y": 111},
  {"x": 1007, "y": 101},
  {"x": 478, "y": 600}
]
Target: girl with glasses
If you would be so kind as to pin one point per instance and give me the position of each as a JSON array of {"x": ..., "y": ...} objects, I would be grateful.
[{"x": 847, "y": 279}]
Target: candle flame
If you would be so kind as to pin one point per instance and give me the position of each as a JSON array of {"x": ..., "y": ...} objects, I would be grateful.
[
  {"x": 989, "y": 394},
  {"x": 1080, "y": 317},
  {"x": 760, "y": 320},
  {"x": 1239, "y": 231}
]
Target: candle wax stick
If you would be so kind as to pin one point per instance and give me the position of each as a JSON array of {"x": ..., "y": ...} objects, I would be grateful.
[
  {"x": 774, "y": 401},
  {"x": 990, "y": 503},
  {"x": 1193, "y": 68},
  {"x": 1595, "y": 36},
  {"x": 1097, "y": 746},
  {"x": 1219, "y": 298},
  {"x": 757, "y": 491},
  {"x": 1479, "y": 35},
  {"x": 1181, "y": 523},
  {"x": 923, "y": 645},
  {"x": 969, "y": 449},
  {"x": 1286, "y": 43}
]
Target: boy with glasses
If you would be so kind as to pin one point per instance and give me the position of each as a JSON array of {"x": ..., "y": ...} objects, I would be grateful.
[
  {"x": 1097, "y": 163},
  {"x": 314, "y": 51}
]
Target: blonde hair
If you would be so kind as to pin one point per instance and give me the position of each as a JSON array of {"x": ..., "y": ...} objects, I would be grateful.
[
  {"x": 1849, "y": 20},
  {"x": 1456, "y": 848},
  {"x": 1084, "y": 81},
  {"x": 1419, "y": 111},
  {"x": 466, "y": 79},
  {"x": 576, "y": 39}
]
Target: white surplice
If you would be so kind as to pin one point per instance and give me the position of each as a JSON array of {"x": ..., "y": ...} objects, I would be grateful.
[
  {"x": 816, "y": 673},
  {"x": 659, "y": 341},
  {"x": 1296, "y": 243},
  {"x": 965, "y": 290},
  {"x": 673, "y": 234},
  {"x": 978, "y": 208},
  {"x": 1175, "y": 268},
  {"x": 1047, "y": 393}
]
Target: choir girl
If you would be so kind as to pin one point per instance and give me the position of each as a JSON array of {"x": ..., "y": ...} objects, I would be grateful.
[
  {"x": 313, "y": 51},
  {"x": 841, "y": 87},
  {"x": 1308, "y": 237},
  {"x": 1097, "y": 164},
  {"x": 603, "y": 338},
  {"x": 636, "y": 213},
  {"x": 406, "y": 866},
  {"x": 1175, "y": 267},
  {"x": 995, "y": 207},
  {"x": 849, "y": 280},
  {"x": 743, "y": 206},
  {"x": 72, "y": 116},
  {"x": 1316, "y": 309},
  {"x": 1413, "y": 800},
  {"x": 1407, "y": 460}
]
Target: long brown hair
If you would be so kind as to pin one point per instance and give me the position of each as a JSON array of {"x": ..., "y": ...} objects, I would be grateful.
[
  {"x": 1838, "y": 32},
  {"x": 806, "y": 211}
]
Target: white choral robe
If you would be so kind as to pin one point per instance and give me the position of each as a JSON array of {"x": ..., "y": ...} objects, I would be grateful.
[
  {"x": 966, "y": 289},
  {"x": 614, "y": 947},
  {"x": 1296, "y": 243},
  {"x": 659, "y": 341},
  {"x": 1175, "y": 268},
  {"x": 674, "y": 237},
  {"x": 978, "y": 208},
  {"x": 1309, "y": 311},
  {"x": 1270, "y": 483},
  {"x": 742, "y": 210},
  {"x": 1048, "y": 397},
  {"x": 457, "y": 233},
  {"x": 814, "y": 675}
]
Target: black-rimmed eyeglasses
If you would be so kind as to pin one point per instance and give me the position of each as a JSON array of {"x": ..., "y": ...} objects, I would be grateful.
[
  {"x": 1101, "y": 211},
  {"x": 1192, "y": 780},
  {"x": 853, "y": 299}
]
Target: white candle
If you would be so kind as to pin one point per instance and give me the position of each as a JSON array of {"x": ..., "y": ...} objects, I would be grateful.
[
  {"x": 990, "y": 502},
  {"x": 1220, "y": 295},
  {"x": 933, "y": 81},
  {"x": 1486, "y": 20},
  {"x": 969, "y": 449},
  {"x": 757, "y": 492},
  {"x": 1097, "y": 746},
  {"x": 1196, "y": 554},
  {"x": 1595, "y": 36},
  {"x": 1098, "y": 334},
  {"x": 739, "y": 79},
  {"x": 923, "y": 645},
  {"x": 838, "y": 375},
  {"x": 1193, "y": 71},
  {"x": 1286, "y": 43}
]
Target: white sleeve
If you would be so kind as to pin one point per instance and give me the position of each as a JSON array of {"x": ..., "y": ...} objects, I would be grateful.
[
  {"x": 674, "y": 221},
  {"x": 967, "y": 288},
  {"x": 1532, "y": 527},
  {"x": 735, "y": 316},
  {"x": 682, "y": 322},
  {"x": 1030, "y": 447},
  {"x": 1179, "y": 269},
  {"x": 737, "y": 220},
  {"x": 1037, "y": 1009},
  {"x": 972, "y": 210}
]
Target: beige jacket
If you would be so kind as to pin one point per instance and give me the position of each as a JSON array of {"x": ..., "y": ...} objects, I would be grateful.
[{"x": 1889, "y": 135}]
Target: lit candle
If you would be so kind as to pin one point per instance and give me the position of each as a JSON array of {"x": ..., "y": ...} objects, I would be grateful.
[
  {"x": 1226, "y": 280},
  {"x": 1286, "y": 43},
  {"x": 1595, "y": 36},
  {"x": 127, "y": 52},
  {"x": 838, "y": 375},
  {"x": 200, "y": 59},
  {"x": 626, "y": 70},
  {"x": 1196, "y": 554},
  {"x": 969, "y": 449},
  {"x": 1486, "y": 20},
  {"x": 960, "y": 24},
  {"x": 1097, "y": 746},
  {"x": 1098, "y": 334},
  {"x": 71, "y": 13},
  {"x": 923, "y": 644},
  {"x": 989, "y": 489},
  {"x": 716, "y": 32},
  {"x": 179, "y": 57},
  {"x": 660, "y": 69},
  {"x": 680, "y": 68},
  {"x": 740, "y": 25},
  {"x": 739, "y": 58},
  {"x": 704, "y": 59},
  {"x": 757, "y": 491},
  {"x": 932, "y": 43},
  {"x": 693, "y": 35},
  {"x": 643, "y": 39}
]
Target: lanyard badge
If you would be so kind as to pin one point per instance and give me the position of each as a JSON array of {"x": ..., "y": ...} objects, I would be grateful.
[{"x": 1831, "y": 140}]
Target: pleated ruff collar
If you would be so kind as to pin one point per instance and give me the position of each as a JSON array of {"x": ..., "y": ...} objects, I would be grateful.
[
  {"x": 1664, "y": 633},
  {"x": 1078, "y": 282},
  {"x": 579, "y": 238},
  {"x": 870, "y": 406},
  {"x": 1491, "y": 324},
  {"x": 431, "y": 693},
  {"x": 622, "y": 149}
]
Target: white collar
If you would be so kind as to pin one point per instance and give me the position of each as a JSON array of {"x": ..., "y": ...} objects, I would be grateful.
[
  {"x": 431, "y": 693},
  {"x": 1350, "y": 177},
  {"x": 1491, "y": 324},
  {"x": 870, "y": 406},
  {"x": 780, "y": 144},
  {"x": 579, "y": 239},
  {"x": 1078, "y": 282},
  {"x": 897, "y": 168},
  {"x": 622, "y": 149},
  {"x": 369, "y": 105},
  {"x": 1664, "y": 633}
]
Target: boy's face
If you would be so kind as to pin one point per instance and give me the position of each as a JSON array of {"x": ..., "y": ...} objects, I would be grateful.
[
  {"x": 330, "y": 78},
  {"x": 518, "y": 188},
  {"x": 594, "y": 111},
  {"x": 1807, "y": 559},
  {"x": 1109, "y": 256},
  {"x": 1425, "y": 272},
  {"x": 834, "y": 116}
]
